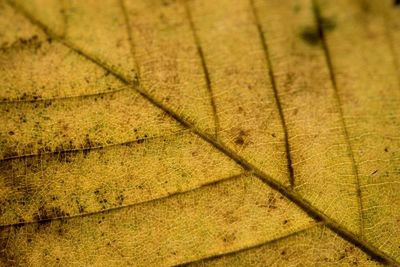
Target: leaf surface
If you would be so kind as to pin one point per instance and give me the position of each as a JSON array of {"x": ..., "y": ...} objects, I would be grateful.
[{"x": 159, "y": 133}]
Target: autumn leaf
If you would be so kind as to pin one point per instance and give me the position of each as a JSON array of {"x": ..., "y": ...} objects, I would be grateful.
[{"x": 199, "y": 132}]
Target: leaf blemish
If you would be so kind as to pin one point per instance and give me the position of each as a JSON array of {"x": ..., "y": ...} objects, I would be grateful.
[
  {"x": 310, "y": 36},
  {"x": 272, "y": 202},
  {"x": 229, "y": 238},
  {"x": 45, "y": 215},
  {"x": 239, "y": 140}
]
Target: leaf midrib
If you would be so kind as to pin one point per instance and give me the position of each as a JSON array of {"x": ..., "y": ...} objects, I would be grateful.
[{"x": 307, "y": 207}]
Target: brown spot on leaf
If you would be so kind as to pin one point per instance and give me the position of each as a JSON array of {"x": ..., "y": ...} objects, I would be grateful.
[
  {"x": 240, "y": 139},
  {"x": 271, "y": 201},
  {"x": 48, "y": 213},
  {"x": 229, "y": 238},
  {"x": 310, "y": 35}
]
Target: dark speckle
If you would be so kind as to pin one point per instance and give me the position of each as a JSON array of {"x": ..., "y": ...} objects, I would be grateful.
[
  {"x": 313, "y": 35},
  {"x": 65, "y": 157},
  {"x": 397, "y": 2},
  {"x": 239, "y": 140},
  {"x": 81, "y": 209},
  {"x": 272, "y": 202},
  {"x": 229, "y": 238},
  {"x": 386, "y": 149},
  {"x": 310, "y": 36},
  {"x": 120, "y": 199},
  {"x": 22, "y": 118},
  {"x": 44, "y": 215},
  {"x": 31, "y": 42},
  {"x": 9, "y": 153},
  {"x": 166, "y": 3}
]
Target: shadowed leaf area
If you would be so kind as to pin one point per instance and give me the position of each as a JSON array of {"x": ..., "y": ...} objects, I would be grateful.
[{"x": 199, "y": 132}]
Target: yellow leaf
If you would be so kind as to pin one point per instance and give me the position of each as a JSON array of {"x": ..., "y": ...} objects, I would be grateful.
[{"x": 199, "y": 132}]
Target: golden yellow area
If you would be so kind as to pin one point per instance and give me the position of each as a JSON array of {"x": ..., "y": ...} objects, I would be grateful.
[
  {"x": 323, "y": 170},
  {"x": 369, "y": 85},
  {"x": 316, "y": 246},
  {"x": 199, "y": 132},
  {"x": 163, "y": 232}
]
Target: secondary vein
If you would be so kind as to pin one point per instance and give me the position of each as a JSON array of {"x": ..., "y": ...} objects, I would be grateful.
[
  {"x": 218, "y": 256},
  {"x": 130, "y": 39},
  {"x": 204, "y": 66},
  {"x": 319, "y": 22},
  {"x": 276, "y": 94},
  {"x": 107, "y": 210}
]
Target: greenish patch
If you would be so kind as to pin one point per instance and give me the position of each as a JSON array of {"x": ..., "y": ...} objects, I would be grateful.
[{"x": 296, "y": 8}]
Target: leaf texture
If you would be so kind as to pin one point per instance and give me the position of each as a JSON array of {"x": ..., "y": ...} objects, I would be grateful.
[{"x": 199, "y": 132}]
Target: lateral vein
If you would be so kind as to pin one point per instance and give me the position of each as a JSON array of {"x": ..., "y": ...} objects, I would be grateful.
[
  {"x": 60, "y": 218},
  {"x": 272, "y": 241},
  {"x": 319, "y": 22},
  {"x": 88, "y": 149},
  {"x": 204, "y": 66},
  {"x": 276, "y": 94}
]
